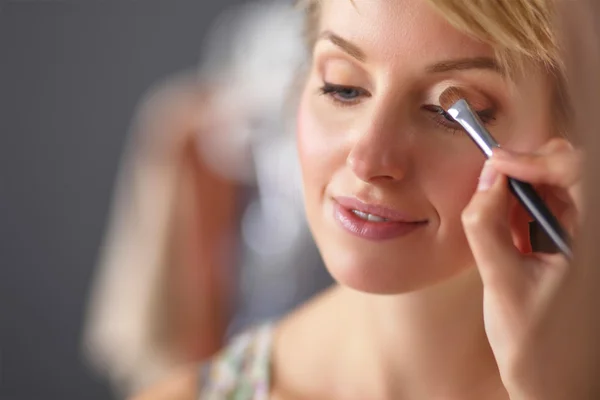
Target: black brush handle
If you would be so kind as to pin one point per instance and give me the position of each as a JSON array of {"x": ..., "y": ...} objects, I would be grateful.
[{"x": 538, "y": 210}]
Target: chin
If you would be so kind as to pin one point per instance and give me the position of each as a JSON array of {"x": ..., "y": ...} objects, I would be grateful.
[{"x": 382, "y": 276}]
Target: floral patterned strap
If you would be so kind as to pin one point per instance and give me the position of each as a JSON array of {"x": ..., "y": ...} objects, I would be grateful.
[{"x": 241, "y": 370}]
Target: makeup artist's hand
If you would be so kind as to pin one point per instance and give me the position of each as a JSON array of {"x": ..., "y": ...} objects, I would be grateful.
[{"x": 536, "y": 306}]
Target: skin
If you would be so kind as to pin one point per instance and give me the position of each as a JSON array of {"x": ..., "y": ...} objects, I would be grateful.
[
  {"x": 194, "y": 307},
  {"x": 383, "y": 145},
  {"x": 406, "y": 320},
  {"x": 385, "y": 148},
  {"x": 197, "y": 300}
]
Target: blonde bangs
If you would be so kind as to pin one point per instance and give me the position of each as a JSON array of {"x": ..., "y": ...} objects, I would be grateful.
[{"x": 520, "y": 31}]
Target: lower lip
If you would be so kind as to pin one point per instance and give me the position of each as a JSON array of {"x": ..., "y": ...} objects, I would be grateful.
[{"x": 376, "y": 231}]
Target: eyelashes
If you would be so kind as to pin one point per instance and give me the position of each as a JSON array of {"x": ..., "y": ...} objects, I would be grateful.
[
  {"x": 444, "y": 120},
  {"x": 345, "y": 96}
]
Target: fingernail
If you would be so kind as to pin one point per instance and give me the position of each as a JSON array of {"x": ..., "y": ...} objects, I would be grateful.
[{"x": 488, "y": 177}]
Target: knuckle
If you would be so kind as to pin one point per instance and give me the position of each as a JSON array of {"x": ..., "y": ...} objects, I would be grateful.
[
  {"x": 473, "y": 218},
  {"x": 558, "y": 144},
  {"x": 577, "y": 160},
  {"x": 566, "y": 168}
]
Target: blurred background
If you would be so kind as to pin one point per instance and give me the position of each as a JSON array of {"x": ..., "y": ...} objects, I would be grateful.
[{"x": 74, "y": 76}]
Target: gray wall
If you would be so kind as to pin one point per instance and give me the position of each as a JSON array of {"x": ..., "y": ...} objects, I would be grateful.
[{"x": 71, "y": 73}]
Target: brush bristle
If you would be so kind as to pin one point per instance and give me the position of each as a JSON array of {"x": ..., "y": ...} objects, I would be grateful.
[{"x": 450, "y": 96}]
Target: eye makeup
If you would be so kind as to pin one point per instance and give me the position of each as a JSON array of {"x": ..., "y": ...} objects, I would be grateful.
[
  {"x": 342, "y": 82},
  {"x": 454, "y": 101},
  {"x": 346, "y": 85},
  {"x": 484, "y": 106},
  {"x": 342, "y": 94}
]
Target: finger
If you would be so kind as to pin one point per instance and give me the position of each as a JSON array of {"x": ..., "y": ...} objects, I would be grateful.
[
  {"x": 555, "y": 145},
  {"x": 562, "y": 168},
  {"x": 576, "y": 194},
  {"x": 487, "y": 227},
  {"x": 557, "y": 166},
  {"x": 519, "y": 222}
]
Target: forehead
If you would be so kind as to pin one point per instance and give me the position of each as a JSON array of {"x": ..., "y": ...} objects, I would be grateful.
[{"x": 392, "y": 30}]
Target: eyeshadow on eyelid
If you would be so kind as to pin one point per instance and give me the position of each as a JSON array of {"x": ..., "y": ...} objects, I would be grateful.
[
  {"x": 477, "y": 99},
  {"x": 338, "y": 71}
]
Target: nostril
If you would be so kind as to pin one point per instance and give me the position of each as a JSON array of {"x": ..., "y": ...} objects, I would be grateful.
[{"x": 375, "y": 169}]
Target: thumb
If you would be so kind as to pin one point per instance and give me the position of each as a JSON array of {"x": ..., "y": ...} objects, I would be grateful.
[{"x": 486, "y": 221}]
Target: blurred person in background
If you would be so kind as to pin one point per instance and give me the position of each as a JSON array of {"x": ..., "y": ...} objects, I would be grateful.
[{"x": 207, "y": 235}]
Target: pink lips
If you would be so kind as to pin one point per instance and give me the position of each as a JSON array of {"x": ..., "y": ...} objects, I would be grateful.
[{"x": 396, "y": 225}]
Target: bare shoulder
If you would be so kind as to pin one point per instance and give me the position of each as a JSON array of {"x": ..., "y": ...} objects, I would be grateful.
[{"x": 181, "y": 385}]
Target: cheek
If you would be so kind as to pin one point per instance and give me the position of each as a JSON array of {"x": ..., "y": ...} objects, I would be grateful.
[
  {"x": 319, "y": 151},
  {"x": 531, "y": 123},
  {"x": 528, "y": 133},
  {"x": 451, "y": 184},
  {"x": 309, "y": 147},
  {"x": 453, "y": 180}
]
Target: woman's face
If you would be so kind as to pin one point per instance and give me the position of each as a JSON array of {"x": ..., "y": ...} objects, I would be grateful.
[{"x": 386, "y": 175}]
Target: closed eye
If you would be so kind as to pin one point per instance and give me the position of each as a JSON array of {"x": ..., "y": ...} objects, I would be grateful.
[
  {"x": 342, "y": 94},
  {"x": 445, "y": 120}
]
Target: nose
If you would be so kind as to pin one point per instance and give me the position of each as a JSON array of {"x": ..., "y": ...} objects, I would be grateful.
[{"x": 380, "y": 153}]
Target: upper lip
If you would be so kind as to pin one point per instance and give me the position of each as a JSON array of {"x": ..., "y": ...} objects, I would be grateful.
[{"x": 352, "y": 203}]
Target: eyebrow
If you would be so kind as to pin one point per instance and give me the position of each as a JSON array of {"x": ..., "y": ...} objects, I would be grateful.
[
  {"x": 461, "y": 64},
  {"x": 343, "y": 44}
]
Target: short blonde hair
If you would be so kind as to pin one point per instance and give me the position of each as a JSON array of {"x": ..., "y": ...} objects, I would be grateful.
[{"x": 521, "y": 32}]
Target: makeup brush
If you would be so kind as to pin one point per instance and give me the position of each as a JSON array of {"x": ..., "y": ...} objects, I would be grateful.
[{"x": 453, "y": 101}]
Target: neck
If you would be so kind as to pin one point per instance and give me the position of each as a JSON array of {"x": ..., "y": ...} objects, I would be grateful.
[{"x": 435, "y": 344}]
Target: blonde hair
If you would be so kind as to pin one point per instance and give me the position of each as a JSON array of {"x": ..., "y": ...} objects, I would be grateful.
[
  {"x": 522, "y": 32},
  {"x": 519, "y": 30}
]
